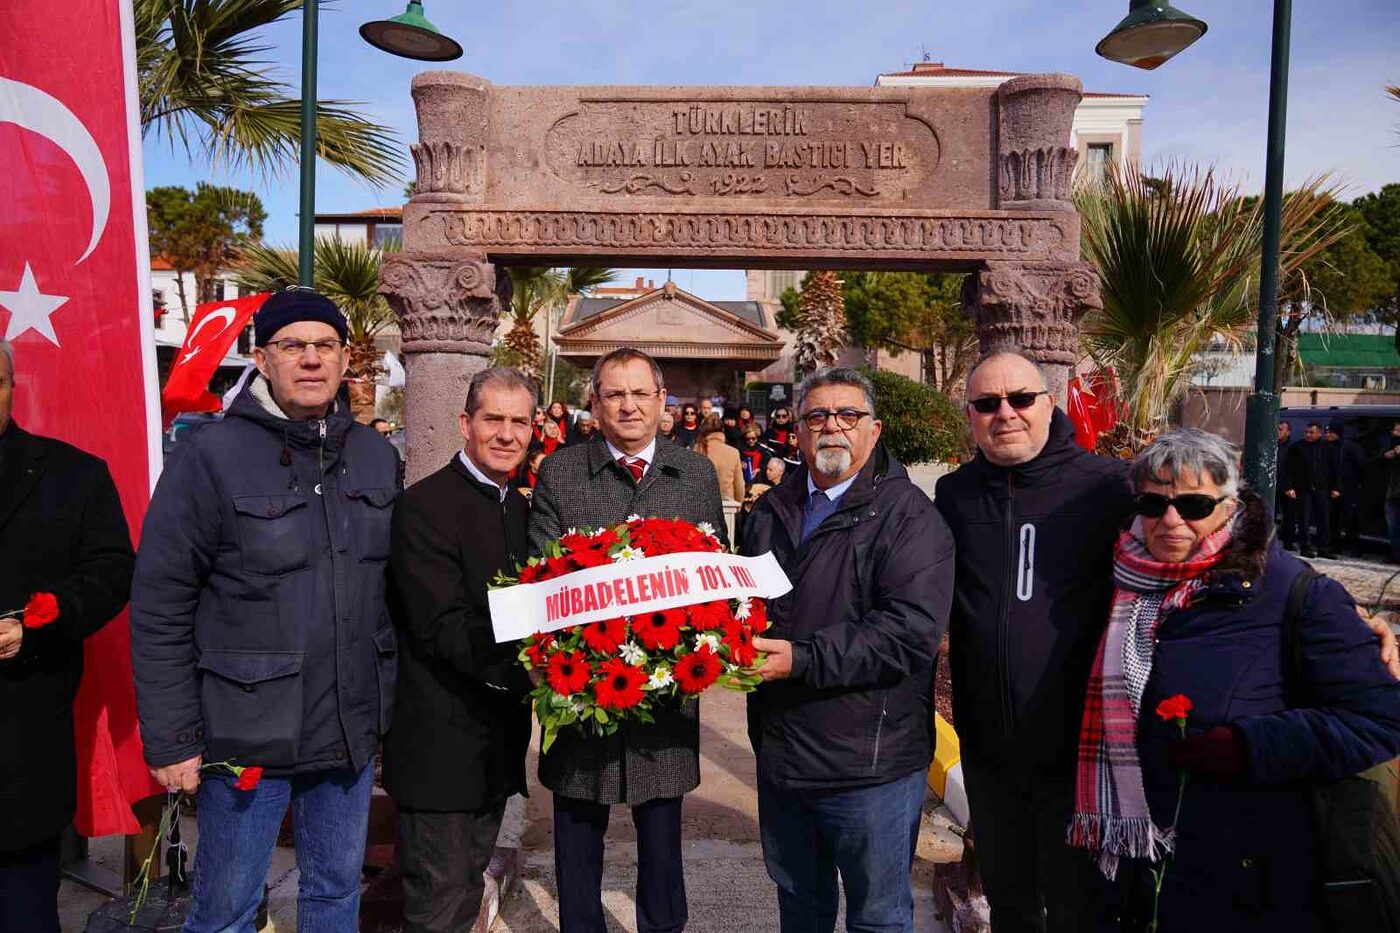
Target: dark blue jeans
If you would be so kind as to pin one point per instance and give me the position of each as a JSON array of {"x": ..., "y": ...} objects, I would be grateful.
[
  {"x": 868, "y": 834},
  {"x": 237, "y": 833}
]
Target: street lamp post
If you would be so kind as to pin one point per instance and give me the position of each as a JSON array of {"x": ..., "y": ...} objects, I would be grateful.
[
  {"x": 1153, "y": 32},
  {"x": 306, "y": 227},
  {"x": 409, "y": 35},
  {"x": 1261, "y": 411}
]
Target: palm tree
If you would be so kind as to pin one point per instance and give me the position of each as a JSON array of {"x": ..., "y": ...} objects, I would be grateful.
[
  {"x": 1178, "y": 257},
  {"x": 536, "y": 289},
  {"x": 821, "y": 323},
  {"x": 347, "y": 274},
  {"x": 203, "y": 84}
]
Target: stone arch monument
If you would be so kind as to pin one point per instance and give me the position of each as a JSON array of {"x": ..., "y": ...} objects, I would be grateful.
[{"x": 923, "y": 179}]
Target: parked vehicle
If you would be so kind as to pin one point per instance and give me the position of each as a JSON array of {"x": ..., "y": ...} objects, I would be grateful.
[{"x": 1369, "y": 426}]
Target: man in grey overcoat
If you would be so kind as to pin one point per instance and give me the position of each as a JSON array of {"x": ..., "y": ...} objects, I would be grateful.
[{"x": 624, "y": 470}]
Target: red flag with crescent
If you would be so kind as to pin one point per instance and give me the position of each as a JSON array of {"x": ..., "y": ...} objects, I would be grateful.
[
  {"x": 75, "y": 303},
  {"x": 213, "y": 329}
]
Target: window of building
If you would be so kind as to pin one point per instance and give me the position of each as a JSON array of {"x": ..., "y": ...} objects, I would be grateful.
[
  {"x": 1374, "y": 382},
  {"x": 388, "y": 236},
  {"x": 1100, "y": 157}
]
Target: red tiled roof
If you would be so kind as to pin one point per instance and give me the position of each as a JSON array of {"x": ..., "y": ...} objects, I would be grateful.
[
  {"x": 394, "y": 214},
  {"x": 161, "y": 264},
  {"x": 939, "y": 70}
]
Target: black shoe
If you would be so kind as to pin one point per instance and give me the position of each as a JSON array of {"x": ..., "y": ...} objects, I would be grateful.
[
  {"x": 1327, "y": 555},
  {"x": 1307, "y": 552}
]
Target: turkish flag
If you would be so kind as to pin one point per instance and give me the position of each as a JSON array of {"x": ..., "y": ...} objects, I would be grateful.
[
  {"x": 213, "y": 329},
  {"x": 75, "y": 301}
]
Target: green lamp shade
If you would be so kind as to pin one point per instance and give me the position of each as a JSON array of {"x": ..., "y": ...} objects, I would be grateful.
[
  {"x": 410, "y": 35},
  {"x": 1153, "y": 32}
]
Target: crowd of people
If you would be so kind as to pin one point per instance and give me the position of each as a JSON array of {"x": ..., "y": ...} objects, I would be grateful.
[
  {"x": 292, "y": 608},
  {"x": 1317, "y": 501}
]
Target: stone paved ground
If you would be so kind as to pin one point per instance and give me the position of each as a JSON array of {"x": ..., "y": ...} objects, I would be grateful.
[{"x": 727, "y": 888}]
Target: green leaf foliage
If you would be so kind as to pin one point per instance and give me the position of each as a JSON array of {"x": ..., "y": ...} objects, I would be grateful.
[
  {"x": 920, "y": 424},
  {"x": 205, "y": 84},
  {"x": 201, "y": 232}
]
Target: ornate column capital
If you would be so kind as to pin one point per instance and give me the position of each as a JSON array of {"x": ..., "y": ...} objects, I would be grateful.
[
  {"x": 1035, "y": 163},
  {"x": 446, "y": 302},
  {"x": 1033, "y": 306}
]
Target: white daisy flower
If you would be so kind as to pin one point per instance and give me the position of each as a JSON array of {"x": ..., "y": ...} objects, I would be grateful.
[
  {"x": 661, "y": 677},
  {"x": 706, "y": 528},
  {"x": 707, "y": 638},
  {"x": 741, "y": 612},
  {"x": 631, "y": 652},
  {"x": 571, "y": 531},
  {"x": 628, "y": 553},
  {"x": 634, "y": 517}
]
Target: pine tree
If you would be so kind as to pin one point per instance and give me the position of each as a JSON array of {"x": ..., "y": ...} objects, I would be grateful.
[{"x": 821, "y": 323}]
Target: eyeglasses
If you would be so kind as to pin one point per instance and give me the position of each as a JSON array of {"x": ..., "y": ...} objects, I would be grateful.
[
  {"x": 846, "y": 418},
  {"x": 617, "y": 397},
  {"x": 1192, "y": 506},
  {"x": 990, "y": 404},
  {"x": 293, "y": 349},
  {"x": 780, "y": 416}
]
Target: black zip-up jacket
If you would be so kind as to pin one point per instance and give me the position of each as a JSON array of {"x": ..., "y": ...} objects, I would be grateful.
[
  {"x": 461, "y": 724},
  {"x": 1034, "y": 578},
  {"x": 868, "y": 608},
  {"x": 1311, "y": 467},
  {"x": 259, "y": 629}
]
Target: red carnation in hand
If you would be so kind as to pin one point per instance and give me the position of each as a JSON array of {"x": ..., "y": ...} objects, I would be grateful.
[
  {"x": 659, "y": 630},
  {"x": 1174, "y": 708},
  {"x": 604, "y": 637},
  {"x": 248, "y": 777},
  {"x": 569, "y": 672},
  {"x": 711, "y": 615},
  {"x": 538, "y": 649},
  {"x": 739, "y": 640},
  {"x": 619, "y": 684},
  {"x": 697, "y": 670},
  {"x": 41, "y": 609}
]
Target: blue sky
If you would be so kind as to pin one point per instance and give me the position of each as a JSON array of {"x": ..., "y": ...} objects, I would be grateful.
[{"x": 1208, "y": 105}]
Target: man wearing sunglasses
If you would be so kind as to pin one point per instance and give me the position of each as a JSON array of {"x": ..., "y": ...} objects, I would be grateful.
[
  {"x": 1034, "y": 518},
  {"x": 842, "y": 725}
]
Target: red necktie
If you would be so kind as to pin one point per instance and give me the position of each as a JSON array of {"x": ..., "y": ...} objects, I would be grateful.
[{"x": 634, "y": 465}]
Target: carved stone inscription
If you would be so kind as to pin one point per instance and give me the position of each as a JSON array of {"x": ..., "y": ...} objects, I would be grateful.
[{"x": 792, "y": 151}]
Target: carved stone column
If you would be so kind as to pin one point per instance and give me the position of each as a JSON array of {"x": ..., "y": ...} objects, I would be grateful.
[
  {"x": 1035, "y": 307},
  {"x": 448, "y": 303},
  {"x": 1035, "y": 163}
]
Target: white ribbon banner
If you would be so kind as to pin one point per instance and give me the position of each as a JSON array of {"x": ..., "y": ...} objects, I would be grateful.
[{"x": 632, "y": 587}]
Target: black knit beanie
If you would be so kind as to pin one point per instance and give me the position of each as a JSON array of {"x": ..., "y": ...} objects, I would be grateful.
[{"x": 290, "y": 306}]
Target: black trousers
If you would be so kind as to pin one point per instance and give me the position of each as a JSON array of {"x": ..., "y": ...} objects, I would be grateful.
[
  {"x": 29, "y": 888},
  {"x": 1286, "y": 514},
  {"x": 1314, "y": 520},
  {"x": 1346, "y": 522},
  {"x": 1035, "y": 882},
  {"x": 441, "y": 858},
  {"x": 579, "y": 826}
]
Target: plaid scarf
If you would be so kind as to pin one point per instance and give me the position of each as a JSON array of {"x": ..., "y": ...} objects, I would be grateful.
[{"x": 1111, "y": 816}]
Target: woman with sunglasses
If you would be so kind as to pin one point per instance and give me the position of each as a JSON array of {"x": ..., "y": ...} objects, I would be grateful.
[{"x": 1201, "y": 591}]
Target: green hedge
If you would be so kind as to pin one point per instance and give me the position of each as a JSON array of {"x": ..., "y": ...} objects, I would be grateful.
[{"x": 921, "y": 424}]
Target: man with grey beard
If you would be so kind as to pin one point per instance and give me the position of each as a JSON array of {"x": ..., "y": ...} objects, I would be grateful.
[{"x": 843, "y": 724}]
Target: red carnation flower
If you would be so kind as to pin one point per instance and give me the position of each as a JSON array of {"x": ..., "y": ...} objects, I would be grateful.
[
  {"x": 557, "y": 567},
  {"x": 1174, "y": 708},
  {"x": 574, "y": 542},
  {"x": 604, "y": 637},
  {"x": 711, "y": 615},
  {"x": 697, "y": 670},
  {"x": 41, "y": 609},
  {"x": 530, "y": 573},
  {"x": 739, "y": 640},
  {"x": 758, "y": 616},
  {"x": 589, "y": 558},
  {"x": 619, "y": 684},
  {"x": 538, "y": 649},
  {"x": 569, "y": 672},
  {"x": 659, "y": 630},
  {"x": 248, "y": 777}
]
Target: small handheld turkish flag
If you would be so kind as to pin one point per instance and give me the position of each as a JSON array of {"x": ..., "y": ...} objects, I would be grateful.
[{"x": 213, "y": 329}]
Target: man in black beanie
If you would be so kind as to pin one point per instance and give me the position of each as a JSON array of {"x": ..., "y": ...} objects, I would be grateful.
[{"x": 259, "y": 632}]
